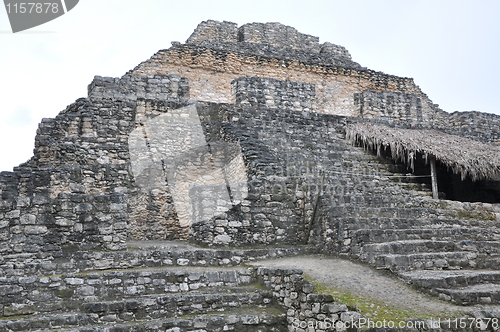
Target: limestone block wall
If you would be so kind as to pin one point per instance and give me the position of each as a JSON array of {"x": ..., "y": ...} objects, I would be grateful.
[
  {"x": 27, "y": 295},
  {"x": 93, "y": 292},
  {"x": 274, "y": 94},
  {"x": 213, "y": 57},
  {"x": 35, "y": 225},
  {"x": 335, "y": 50},
  {"x": 389, "y": 105},
  {"x": 171, "y": 151},
  {"x": 25, "y": 215},
  {"x": 284, "y": 152},
  {"x": 82, "y": 191},
  {"x": 74, "y": 193},
  {"x": 306, "y": 310},
  {"x": 156, "y": 86},
  {"x": 214, "y": 30},
  {"x": 211, "y": 70},
  {"x": 153, "y": 215},
  {"x": 230, "y": 141},
  {"x": 279, "y": 35},
  {"x": 475, "y": 125},
  {"x": 273, "y": 35},
  {"x": 270, "y": 213}
]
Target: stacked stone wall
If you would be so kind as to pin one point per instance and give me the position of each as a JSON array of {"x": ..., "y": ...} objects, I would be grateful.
[
  {"x": 212, "y": 59},
  {"x": 74, "y": 193},
  {"x": 274, "y": 94},
  {"x": 474, "y": 125},
  {"x": 275, "y": 37},
  {"x": 279, "y": 35},
  {"x": 79, "y": 191},
  {"x": 78, "y": 292},
  {"x": 284, "y": 153},
  {"x": 211, "y": 71},
  {"x": 258, "y": 218},
  {"x": 335, "y": 51},
  {"x": 155, "y": 86},
  {"x": 389, "y": 105},
  {"x": 214, "y": 30},
  {"x": 94, "y": 202},
  {"x": 26, "y": 295},
  {"x": 305, "y": 309}
]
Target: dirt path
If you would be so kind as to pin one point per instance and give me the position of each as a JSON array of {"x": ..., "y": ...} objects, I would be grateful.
[{"x": 364, "y": 282}]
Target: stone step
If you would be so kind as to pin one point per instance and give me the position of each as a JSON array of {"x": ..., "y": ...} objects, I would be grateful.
[
  {"x": 431, "y": 279},
  {"x": 149, "y": 254},
  {"x": 485, "y": 311},
  {"x": 476, "y": 294},
  {"x": 385, "y": 212},
  {"x": 67, "y": 292},
  {"x": 408, "y": 223},
  {"x": 177, "y": 305},
  {"x": 489, "y": 262},
  {"x": 489, "y": 248},
  {"x": 270, "y": 319},
  {"x": 456, "y": 234},
  {"x": 47, "y": 322},
  {"x": 486, "y": 251},
  {"x": 426, "y": 261},
  {"x": 368, "y": 252},
  {"x": 448, "y": 212},
  {"x": 379, "y": 198},
  {"x": 340, "y": 191}
]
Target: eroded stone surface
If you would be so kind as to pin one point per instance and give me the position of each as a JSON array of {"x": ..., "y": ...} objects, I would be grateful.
[{"x": 235, "y": 138}]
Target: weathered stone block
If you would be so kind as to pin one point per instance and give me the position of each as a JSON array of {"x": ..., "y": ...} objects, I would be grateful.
[
  {"x": 35, "y": 230},
  {"x": 18, "y": 309}
]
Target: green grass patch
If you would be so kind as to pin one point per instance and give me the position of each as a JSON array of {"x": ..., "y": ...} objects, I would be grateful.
[{"x": 376, "y": 310}]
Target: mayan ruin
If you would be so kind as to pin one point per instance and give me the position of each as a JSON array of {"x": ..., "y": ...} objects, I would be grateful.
[{"x": 194, "y": 193}]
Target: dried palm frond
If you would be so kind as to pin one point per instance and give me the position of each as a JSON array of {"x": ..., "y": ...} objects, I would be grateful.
[{"x": 463, "y": 156}]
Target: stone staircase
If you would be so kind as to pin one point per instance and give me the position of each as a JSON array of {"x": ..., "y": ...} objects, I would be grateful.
[
  {"x": 155, "y": 286},
  {"x": 373, "y": 212},
  {"x": 365, "y": 211},
  {"x": 251, "y": 320},
  {"x": 455, "y": 259},
  {"x": 448, "y": 249},
  {"x": 464, "y": 287}
]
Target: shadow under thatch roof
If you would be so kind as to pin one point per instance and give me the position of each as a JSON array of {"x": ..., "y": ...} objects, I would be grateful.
[{"x": 463, "y": 156}]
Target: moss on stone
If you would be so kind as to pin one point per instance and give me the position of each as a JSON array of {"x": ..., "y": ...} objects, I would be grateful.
[
  {"x": 376, "y": 310},
  {"x": 473, "y": 215},
  {"x": 64, "y": 292}
]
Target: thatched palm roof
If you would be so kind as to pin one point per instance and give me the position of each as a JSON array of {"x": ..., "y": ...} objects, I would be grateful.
[{"x": 463, "y": 156}]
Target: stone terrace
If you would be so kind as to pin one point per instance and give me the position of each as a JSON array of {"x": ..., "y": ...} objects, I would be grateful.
[{"x": 259, "y": 169}]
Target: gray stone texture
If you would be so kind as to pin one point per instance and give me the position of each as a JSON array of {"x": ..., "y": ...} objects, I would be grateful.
[
  {"x": 273, "y": 40},
  {"x": 390, "y": 105},
  {"x": 265, "y": 171}
]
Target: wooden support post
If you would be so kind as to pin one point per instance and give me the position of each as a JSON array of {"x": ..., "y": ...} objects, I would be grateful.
[{"x": 435, "y": 193}]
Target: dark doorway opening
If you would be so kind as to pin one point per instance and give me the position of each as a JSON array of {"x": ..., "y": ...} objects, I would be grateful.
[{"x": 450, "y": 185}]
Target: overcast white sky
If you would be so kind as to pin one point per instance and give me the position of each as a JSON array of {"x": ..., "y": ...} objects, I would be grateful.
[{"x": 450, "y": 47}]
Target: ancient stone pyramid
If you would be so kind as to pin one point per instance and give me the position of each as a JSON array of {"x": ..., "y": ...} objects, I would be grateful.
[{"x": 143, "y": 201}]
